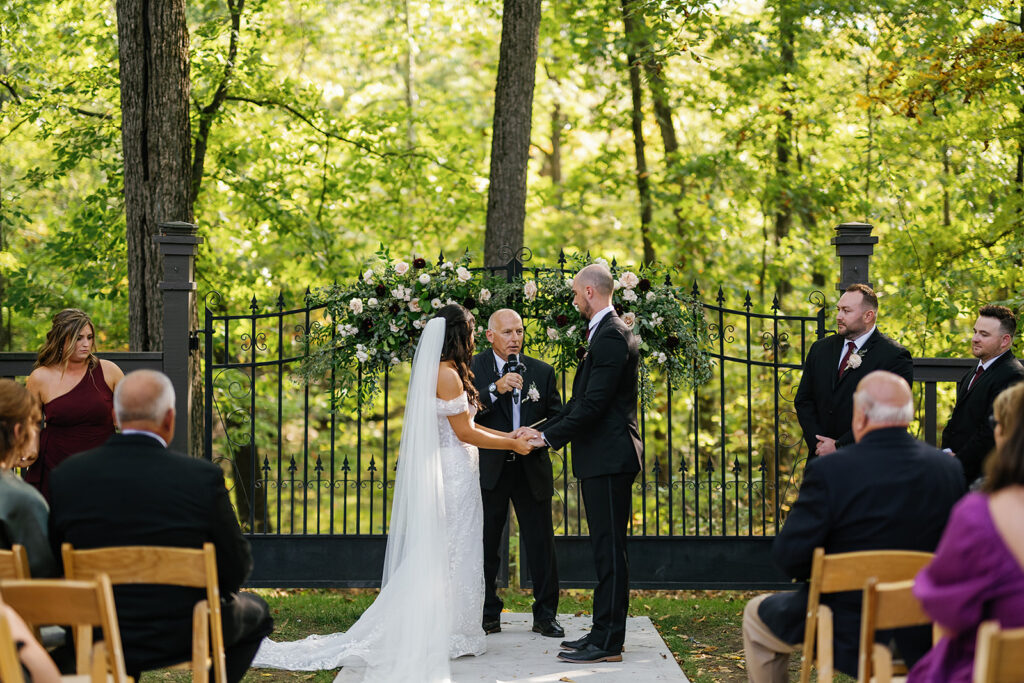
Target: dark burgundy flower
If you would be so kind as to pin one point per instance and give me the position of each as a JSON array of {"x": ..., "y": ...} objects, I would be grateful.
[
  {"x": 469, "y": 302},
  {"x": 580, "y": 352},
  {"x": 394, "y": 308},
  {"x": 366, "y": 325},
  {"x": 562, "y": 320},
  {"x": 419, "y": 263},
  {"x": 645, "y": 285},
  {"x": 672, "y": 341},
  {"x": 619, "y": 310},
  {"x": 381, "y": 290}
]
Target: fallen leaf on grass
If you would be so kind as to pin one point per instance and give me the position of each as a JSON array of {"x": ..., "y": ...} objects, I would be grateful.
[{"x": 566, "y": 679}]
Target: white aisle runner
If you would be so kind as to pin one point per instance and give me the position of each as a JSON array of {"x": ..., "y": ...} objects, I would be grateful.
[{"x": 518, "y": 654}]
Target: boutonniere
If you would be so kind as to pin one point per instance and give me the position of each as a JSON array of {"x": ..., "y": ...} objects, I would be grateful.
[
  {"x": 532, "y": 394},
  {"x": 854, "y": 361}
]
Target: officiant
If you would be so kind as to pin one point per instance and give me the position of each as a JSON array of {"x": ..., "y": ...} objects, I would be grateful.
[{"x": 517, "y": 390}]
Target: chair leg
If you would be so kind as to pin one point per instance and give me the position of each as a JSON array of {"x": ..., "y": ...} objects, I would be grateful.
[
  {"x": 201, "y": 658},
  {"x": 825, "y": 668}
]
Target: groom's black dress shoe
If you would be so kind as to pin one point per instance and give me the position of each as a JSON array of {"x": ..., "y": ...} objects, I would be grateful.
[
  {"x": 576, "y": 644},
  {"x": 492, "y": 626},
  {"x": 549, "y": 627},
  {"x": 590, "y": 653}
]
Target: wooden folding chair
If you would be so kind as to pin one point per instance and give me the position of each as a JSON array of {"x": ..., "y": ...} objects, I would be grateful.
[
  {"x": 82, "y": 605},
  {"x": 10, "y": 665},
  {"x": 999, "y": 657},
  {"x": 841, "y": 572},
  {"x": 886, "y": 606},
  {"x": 188, "y": 567},
  {"x": 14, "y": 563}
]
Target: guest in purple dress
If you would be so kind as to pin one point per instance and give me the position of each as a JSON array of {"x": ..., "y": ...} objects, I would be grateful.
[
  {"x": 978, "y": 570},
  {"x": 77, "y": 392}
]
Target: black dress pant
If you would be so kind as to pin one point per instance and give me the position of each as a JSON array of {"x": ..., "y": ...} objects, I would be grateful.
[
  {"x": 607, "y": 500},
  {"x": 537, "y": 536}
]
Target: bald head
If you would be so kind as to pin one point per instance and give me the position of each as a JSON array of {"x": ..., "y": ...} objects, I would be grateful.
[
  {"x": 598, "y": 276},
  {"x": 144, "y": 399},
  {"x": 592, "y": 289},
  {"x": 505, "y": 332},
  {"x": 883, "y": 399}
]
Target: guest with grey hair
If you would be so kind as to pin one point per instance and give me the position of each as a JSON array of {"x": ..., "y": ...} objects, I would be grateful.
[
  {"x": 134, "y": 490},
  {"x": 886, "y": 491}
]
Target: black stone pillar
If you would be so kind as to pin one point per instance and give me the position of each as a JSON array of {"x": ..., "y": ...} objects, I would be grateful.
[{"x": 854, "y": 246}]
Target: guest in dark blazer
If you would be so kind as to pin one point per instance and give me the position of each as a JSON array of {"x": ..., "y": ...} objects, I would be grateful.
[
  {"x": 834, "y": 365},
  {"x": 512, "y": 397},
  {"x": 968, "y": 434},
  {"x": 600, "y": 422},
  {"x": 133, "y": 490},
  {"x": 888, "y": 491}
]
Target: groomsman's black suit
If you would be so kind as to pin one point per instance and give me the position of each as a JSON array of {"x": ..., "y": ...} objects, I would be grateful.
[
  {"x": 824, "y": 401},
  {"x": 134, "y": 491},
  {"x": 525, "y": 480},
  {"x": 888, "y": 491},
  {"x": 600, "y": 421},
  {"x": 968, "y": 433}
]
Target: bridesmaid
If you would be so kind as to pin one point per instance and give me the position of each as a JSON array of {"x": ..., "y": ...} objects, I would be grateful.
[{"x": 77, "y": 392}]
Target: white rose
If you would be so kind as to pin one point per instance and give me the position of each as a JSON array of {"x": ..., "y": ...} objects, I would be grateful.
[
  {"x": 436, "y": 304},
  {"x": 629, "y": 280},
  {"x": 601, "y": 261},
  {"x": 629, "y": 318},
  {"x": 424, "y": 278},
  {"x": 629, "y": 295},
  {"x": 533, "y": 394},
  {"x": 853, "y": 362},
  {"x": 530, "y": 290},
  {"x": 368, "y": 277},
  {"x": 463, "y": 274},
  {"x": 650, "y": 296},
  {"x": 552, "y": 334},
  {"x": 361, "y": 356},
  {"x": 372, "y": 302},
  {"x": 662, "y": 357},
  {"x": 418, "y": 324},
  {"x": 342, "y": 330},
  {"x": 356, "y": 306},
  {"x": 485, "y": 294},
  {"x": 401, "y": 267},
  {"x": 616, "y": 285},
  {"x": 394, "y": 327},
  {"x": 414, "y": 306},
  {"x": 394, "y": 359},
  {"x": 571, "y": 331},
  {"x": 447, "y": 265}
]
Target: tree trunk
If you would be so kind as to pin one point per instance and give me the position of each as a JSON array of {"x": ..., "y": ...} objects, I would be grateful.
[
  {"x": 784, "y": 134},
  {"x": 637, "y": 115},
  {"x": 510, "y": 142},
  {"x": 408, "y": 65},
  {"x": 555, "y": 160},
  {"x": 155, "y": 135}
]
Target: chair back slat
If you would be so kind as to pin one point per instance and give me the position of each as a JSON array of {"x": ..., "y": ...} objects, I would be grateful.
[
  {"x": 885, "y": 606},
  {"x": 14, "y": 563},
  {"x": 10, "y": 664},
  {"x": 999, "y": 657}
]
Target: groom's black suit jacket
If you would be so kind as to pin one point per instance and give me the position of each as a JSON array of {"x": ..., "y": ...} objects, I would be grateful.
[
  {"x": 824, "y": 401},
  {"x": 968, "y": 433},
  {"x": 498, "y": 415},
  {"x": 133, "y": 491},
  {"x": 600, "y": 418}
]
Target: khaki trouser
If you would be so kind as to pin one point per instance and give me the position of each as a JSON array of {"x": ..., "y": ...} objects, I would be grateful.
[{"x": 767, "y": 656}]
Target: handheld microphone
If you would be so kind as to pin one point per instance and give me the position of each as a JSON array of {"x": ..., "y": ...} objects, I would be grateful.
[{"x": 513, "y": 366}]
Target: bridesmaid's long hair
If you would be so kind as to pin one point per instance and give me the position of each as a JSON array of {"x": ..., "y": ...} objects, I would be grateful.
[
  {"x": 17, "y": 406},
  {"x": 60, "y": 340},
  {"x": 1005, "y": 466},
  {"x": 459, "y": 342}
]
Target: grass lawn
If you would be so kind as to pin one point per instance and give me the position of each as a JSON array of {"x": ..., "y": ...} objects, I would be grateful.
[{"x": 701, "y": 628}]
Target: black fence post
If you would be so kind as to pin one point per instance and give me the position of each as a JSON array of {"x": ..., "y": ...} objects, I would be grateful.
[
  {"x": 178, "y": 245},
  {"x": 854, "y": 246}
]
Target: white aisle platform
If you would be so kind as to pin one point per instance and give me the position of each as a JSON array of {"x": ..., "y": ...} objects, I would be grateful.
[{"x": 519, "y": 654}]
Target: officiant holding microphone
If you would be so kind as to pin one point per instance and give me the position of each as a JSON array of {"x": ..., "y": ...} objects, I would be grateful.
[{"x": 517, "y": 391}]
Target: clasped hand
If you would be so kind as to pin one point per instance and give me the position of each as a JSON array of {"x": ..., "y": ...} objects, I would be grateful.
[{"x": 533, "y": 437}]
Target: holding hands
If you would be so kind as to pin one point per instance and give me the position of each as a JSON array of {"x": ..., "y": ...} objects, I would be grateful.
[{"x": 532, "y": 435}]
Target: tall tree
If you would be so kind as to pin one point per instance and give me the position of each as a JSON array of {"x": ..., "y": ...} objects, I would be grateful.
[
  {"x": 643, "y": 185},
  {"x": 510, "y": 141},
  {"x": 155, "y": 135}
]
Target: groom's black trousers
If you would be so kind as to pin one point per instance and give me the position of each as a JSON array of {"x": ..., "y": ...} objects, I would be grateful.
[
  {"x": 607, "y": 500},
  {"x": 537, "y": 536}
]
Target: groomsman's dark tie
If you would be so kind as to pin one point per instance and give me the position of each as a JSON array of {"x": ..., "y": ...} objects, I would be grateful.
[
  {"x": 850, "y": 346},
  {"x": 977, "y": 374}
]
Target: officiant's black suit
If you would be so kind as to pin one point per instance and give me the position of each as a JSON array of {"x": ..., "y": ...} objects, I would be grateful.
[
  {"x": 525, "y": 480},
  {"x": 824, "y": 401},
  {"x": 968, "y": 433},
  {"x": 600, "y": 421},
  {"x": 134, "y": 491}
]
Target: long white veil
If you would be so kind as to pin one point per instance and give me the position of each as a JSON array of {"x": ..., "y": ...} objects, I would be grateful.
[{"x": 404, "y": 634}]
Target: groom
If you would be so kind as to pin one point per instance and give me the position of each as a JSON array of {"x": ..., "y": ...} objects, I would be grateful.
[
  {"x": 600, "y": 421},
  {"x": 516, "y": 390}
]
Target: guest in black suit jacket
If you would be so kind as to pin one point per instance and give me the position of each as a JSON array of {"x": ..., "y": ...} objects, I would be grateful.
[
  {"x": 888, "y": 491},
  {"x": 133, "y": 490},
  {"x": 968, "y": 435},
  {"x": 600, "y": 421},
  {"x": 824, "y": 399},
  {"x": 511, "y": 398}
]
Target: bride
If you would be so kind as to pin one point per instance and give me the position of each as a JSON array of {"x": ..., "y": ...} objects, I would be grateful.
[{"x": 432, "y": 588}]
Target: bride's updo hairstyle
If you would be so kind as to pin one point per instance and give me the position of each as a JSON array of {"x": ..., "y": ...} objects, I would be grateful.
[{"x": 459, "y": 344}]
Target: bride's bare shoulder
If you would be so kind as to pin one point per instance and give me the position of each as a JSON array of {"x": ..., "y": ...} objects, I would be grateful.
[{"x": 449, "y": 384}]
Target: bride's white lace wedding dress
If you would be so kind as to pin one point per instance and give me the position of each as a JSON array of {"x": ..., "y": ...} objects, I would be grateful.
[{"x": 432, "y": 589}]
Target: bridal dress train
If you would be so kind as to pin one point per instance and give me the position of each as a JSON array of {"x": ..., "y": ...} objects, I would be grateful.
[{"x": 432, "y": 588}]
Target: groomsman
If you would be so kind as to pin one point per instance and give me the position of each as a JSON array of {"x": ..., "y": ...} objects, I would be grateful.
[
  {"x": 834, "y": 365},
  {"x": 517, "y": 390},
  {"x": 968, "y": 435},
  {"x": 600, "y": 422}
]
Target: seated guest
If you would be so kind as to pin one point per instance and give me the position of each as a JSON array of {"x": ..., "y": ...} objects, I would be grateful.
[
  {"x": 968, "y": 435},
  {"x": 978, "y": 570},
  {"x": 37, "y": 667},
  {"x": 23, "y": 511},
  {"x": 133, "y": 490},
  {"x": 887, "y": 491}
]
